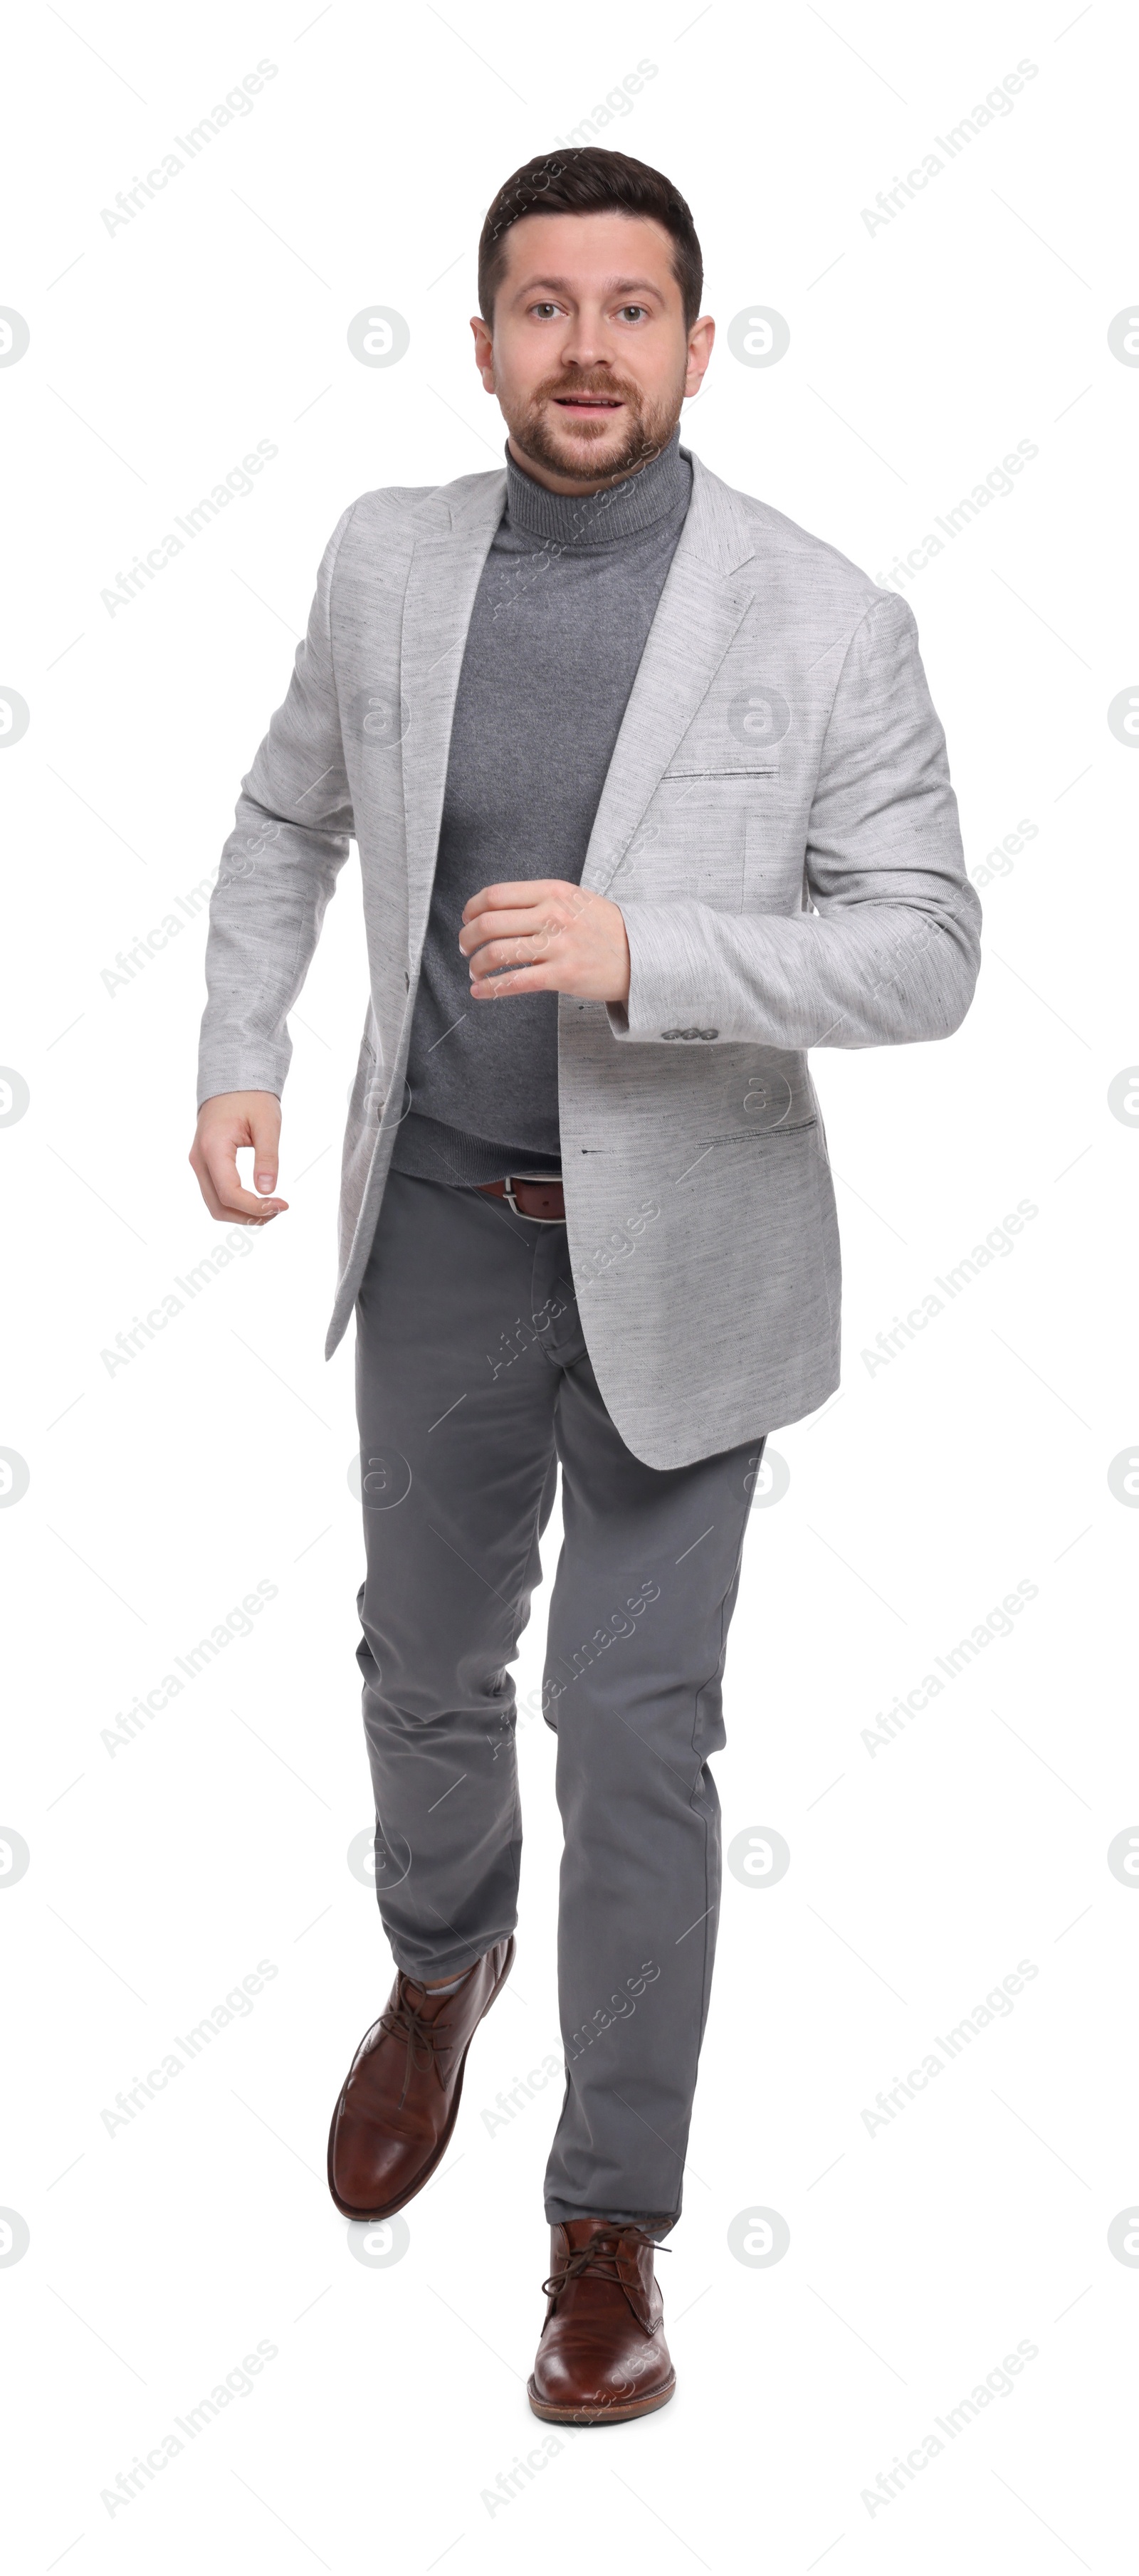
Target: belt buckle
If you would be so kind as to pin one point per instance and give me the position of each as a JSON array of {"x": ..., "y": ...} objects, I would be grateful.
[{"x": 538, "y": 1178}]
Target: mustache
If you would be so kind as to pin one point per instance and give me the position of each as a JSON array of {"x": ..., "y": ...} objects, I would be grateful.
[{"x": 583, "y": 385}]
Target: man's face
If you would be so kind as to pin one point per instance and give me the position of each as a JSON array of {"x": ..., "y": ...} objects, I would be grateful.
[{"x": 589, "y": 357}]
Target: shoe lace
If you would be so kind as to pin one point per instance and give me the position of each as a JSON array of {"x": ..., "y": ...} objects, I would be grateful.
[
  {"x": 598, "y": 2259},
  {"x": 422, "y": 2039}
]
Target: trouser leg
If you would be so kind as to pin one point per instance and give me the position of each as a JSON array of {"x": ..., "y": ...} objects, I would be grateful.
[
  {"x": 643, "y": 1596},
  {"x": 455, "y": 1399}
]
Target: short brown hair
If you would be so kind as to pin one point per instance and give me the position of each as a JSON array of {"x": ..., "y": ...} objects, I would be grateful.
[{"x": 583, "y": 181}]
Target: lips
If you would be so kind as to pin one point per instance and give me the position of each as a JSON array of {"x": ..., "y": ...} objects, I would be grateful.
[{"x": 586, "y": 402}]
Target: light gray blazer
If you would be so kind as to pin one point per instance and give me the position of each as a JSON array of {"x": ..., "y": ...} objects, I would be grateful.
[{"x": 778, "y": 827}]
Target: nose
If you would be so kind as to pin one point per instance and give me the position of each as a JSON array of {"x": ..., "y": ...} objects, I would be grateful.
[{"x": 585, "y": 342}]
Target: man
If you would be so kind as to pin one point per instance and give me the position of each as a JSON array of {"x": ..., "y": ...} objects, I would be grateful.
[{"x": 642, "y": 765}]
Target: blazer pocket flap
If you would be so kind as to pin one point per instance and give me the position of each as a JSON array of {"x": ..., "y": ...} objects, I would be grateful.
[{"x": 717, "y": 770}]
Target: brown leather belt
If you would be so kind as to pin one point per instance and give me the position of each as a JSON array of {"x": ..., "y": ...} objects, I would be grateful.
[{"x": 543, "y": 1201}]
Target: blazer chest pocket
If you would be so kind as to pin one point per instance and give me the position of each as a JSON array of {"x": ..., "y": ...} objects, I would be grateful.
[{"x": 691, "y": 846}]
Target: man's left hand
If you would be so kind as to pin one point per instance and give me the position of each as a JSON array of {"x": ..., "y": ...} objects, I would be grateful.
[{"x": 545, "y": 937}]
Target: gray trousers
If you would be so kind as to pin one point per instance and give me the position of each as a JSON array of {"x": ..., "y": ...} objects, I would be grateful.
[{"x": 473, "y": 1384}]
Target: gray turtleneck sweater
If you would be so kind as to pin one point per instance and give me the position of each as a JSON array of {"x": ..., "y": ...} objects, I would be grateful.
[{"x": 562, "y": 612}]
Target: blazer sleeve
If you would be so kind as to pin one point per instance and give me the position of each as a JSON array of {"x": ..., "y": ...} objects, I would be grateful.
[
  {"x": 278, "y": 870},
  {"x": 892, "y": 951}
]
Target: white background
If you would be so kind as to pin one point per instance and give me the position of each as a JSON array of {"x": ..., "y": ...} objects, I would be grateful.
[{"x": 977, "y": 1458}]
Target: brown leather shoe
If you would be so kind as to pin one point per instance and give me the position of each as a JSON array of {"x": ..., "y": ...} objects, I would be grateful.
[
  {"x": 603, "y": 2356},
  {"x": 392, "y": 2124}
]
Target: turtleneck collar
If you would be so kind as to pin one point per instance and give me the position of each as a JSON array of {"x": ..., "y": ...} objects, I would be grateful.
[{"x": 575, "y": 521}]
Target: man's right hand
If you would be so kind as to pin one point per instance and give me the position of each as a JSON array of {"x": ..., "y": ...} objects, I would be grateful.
[{"x": 225, "y": 1123}]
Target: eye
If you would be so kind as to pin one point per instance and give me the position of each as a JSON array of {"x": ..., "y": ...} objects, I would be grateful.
[
  {"x": 543, "y": 310},
  {"x": 634, "y": 312}
]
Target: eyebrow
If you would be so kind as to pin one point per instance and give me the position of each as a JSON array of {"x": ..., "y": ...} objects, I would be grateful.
[{"x": 612, "y": 285}]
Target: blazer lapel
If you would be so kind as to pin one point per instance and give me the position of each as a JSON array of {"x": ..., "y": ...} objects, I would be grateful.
[
  {"x": 449, "y": 556},
  {"x": 697, "y": 616}
]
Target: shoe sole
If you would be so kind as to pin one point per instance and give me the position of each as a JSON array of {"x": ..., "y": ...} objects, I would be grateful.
[
  {"x": 584, "y": 2414},
  {"x": 390, "y": 2207}
]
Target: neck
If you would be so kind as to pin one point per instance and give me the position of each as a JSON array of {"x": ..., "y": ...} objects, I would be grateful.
[{"x": 595, "y": 513}]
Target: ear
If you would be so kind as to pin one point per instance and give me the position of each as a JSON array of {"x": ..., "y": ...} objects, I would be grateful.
[
  {"x": 484, "y": 351},
  {"x": 700, "y": 339}
]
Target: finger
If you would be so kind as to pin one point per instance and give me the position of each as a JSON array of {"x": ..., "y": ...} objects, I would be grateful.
[
  {"x": 265, "y": 1134},
  {"x": 206, "y": 1187},
  {"x": 507, "y": 925},
  {"x": 520, "y": 979},
  {"x": 497, "y": 898},
  {"x": 219, "y": 1156},
  {"x": 218, "y": 1206},
  {"x": 508, "y": 953}
]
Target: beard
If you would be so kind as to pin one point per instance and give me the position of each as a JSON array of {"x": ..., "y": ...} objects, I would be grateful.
[{"x": 606, "y": 447}]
